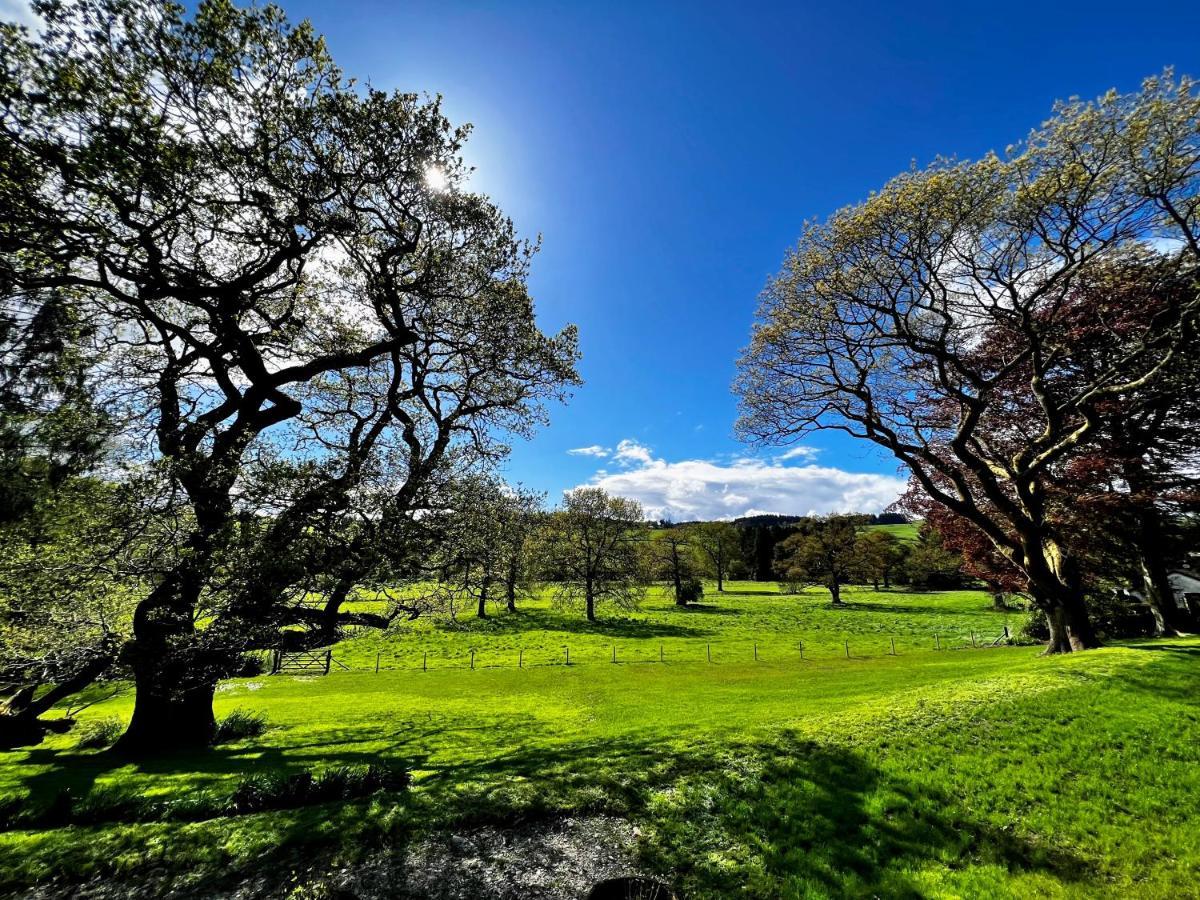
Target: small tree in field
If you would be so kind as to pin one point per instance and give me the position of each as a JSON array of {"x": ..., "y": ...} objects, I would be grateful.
[
  {"x": 822, "y": 551},
  {"x": 672, "y": 558},
  {"x": 593, "y": 546},
  {"x": 518, "y": 519},
  {"x": 719, "y": 546},
  {"x": 879, "y": 556},
  {"x": 930, "y": 564}
]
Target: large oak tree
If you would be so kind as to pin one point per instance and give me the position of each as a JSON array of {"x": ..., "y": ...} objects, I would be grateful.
[{"x": 304, "y": 314}]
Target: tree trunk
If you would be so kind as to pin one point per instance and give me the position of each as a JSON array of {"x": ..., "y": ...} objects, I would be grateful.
[
  {"x": 510, "y": 585},
  {"x": 1152, "y": 567},
  {"x": 174, "y": 675},
  {"x": 1059, "y": 642},
  {"x": 835, "y": 592},
  {"x": 1055, "y": 583},
  {"x": 720, "y": 580},
  {"x": 481, "y": 612},
  {"x": 168, "y": 717},
  {"x": 1156, "y": 585},
  {"x": 590, "y": 598}
]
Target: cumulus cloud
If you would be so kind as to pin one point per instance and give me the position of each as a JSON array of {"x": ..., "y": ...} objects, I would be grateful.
[
  {"x": 701, "y": 489},
  {"x": 631, "y": 453},
  {"x": 594, "y": 450}
]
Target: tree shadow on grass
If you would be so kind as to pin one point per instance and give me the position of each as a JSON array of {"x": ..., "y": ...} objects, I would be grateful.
[
  {"x": 708, "y": 609},
  {"x": 622, "y": 628},
  {"x": 1181, "y": 649},
  {"x": 766, "y": 821},
  {"x": 751, "y": 820}
]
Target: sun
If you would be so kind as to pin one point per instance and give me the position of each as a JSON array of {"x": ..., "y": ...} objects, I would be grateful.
[{"x": 436, "y": 178}]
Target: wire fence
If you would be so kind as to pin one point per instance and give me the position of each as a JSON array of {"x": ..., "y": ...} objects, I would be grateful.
[{"x": 639, "y": 653}]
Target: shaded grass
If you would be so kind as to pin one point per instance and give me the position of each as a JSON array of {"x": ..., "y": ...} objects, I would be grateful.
[{"x": 995, "y": 773}]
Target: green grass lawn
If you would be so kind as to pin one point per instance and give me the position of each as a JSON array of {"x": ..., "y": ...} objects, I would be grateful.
[
  {"x": 747, "y": 613},
  {"x": 962, "y": 773}
]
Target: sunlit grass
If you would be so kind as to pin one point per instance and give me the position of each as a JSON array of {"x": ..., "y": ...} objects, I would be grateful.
[{"x": 960, "y": 773}]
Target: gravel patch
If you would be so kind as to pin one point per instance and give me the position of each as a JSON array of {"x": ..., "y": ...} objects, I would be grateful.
[{"x": 551, "y": 859}]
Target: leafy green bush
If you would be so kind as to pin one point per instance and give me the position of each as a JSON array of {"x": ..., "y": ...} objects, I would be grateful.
[
  {"x": 240, "y": 723},
  {"x": 98, "y": 734},
  {"x": 691, "y": 590}
]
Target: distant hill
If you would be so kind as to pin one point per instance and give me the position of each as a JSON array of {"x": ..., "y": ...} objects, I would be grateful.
[{"x": 905, "y": 531}]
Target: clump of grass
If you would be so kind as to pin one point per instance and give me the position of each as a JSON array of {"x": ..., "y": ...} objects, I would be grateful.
[
  {"x": 259, "y": 793},
  {"x": 254, "y": 793},
  {"x": 98, "y": 734},
  {"x": 240, "y": 724}
]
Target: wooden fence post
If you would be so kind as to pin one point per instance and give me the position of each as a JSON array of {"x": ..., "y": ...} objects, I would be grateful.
[
  {"x": 376, "y": 663},
  {"x": 709, "y": 652},
  {"x": 425, "y": 661},
  {"x": 521, "y": 658},
  {"x": 801, "y": 645},
  {"x": 472, "y": 660},
  {"x": 973, "y": 644},
  {"x": 660, "y": 653},
  {"x": 328, "y": 660},
  {"x": 847, "y": 649},
  {"x": 893, "y": 646},
  {"x": 756, "y": 651},
  {"x": 937, "y": 641}
]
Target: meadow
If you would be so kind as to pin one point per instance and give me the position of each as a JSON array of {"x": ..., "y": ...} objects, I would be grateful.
[{"x": 961, "y": 772}]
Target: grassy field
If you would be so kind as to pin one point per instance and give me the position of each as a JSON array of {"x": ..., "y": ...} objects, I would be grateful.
[
  {"x": 969, "y": 773},
  {"x": 906, "y": 531},
  {"x": 733, "y": 622}
]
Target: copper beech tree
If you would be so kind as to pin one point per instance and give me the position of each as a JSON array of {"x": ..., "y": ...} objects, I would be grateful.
[
  {"x": 873, "y": 325},
  {"x": 1120, "y": 495},
  {"x": 303, "y": 315}
]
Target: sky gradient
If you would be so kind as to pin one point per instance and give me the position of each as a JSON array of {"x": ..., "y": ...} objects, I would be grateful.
[{"x": 668, "y": 154}]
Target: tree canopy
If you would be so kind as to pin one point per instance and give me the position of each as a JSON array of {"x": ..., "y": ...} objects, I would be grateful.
[
  {"x": 913, "y": 318},
  {"x": 296, "y": 327}
]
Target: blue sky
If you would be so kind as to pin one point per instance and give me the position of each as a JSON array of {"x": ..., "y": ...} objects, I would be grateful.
[{"x": 669, "y": 152}]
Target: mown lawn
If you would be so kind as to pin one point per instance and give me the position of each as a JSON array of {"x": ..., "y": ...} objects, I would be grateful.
[{"x": 962, "y": 773}]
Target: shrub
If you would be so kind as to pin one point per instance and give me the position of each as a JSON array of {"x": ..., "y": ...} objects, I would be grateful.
[
  {"x": 265, "y": 792},
  {"x": 98, "y": 734},
  {"x": 241, "y": 723},
  {"x": 691, "y": 590}
]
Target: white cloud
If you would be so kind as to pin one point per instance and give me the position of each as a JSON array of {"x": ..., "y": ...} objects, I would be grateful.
[
  {"x": 631, "y": 453},
  {"x": 799, "y": 453},
  {"x": 594, "y": 450},
  {"x": 700, "y": 489}
]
